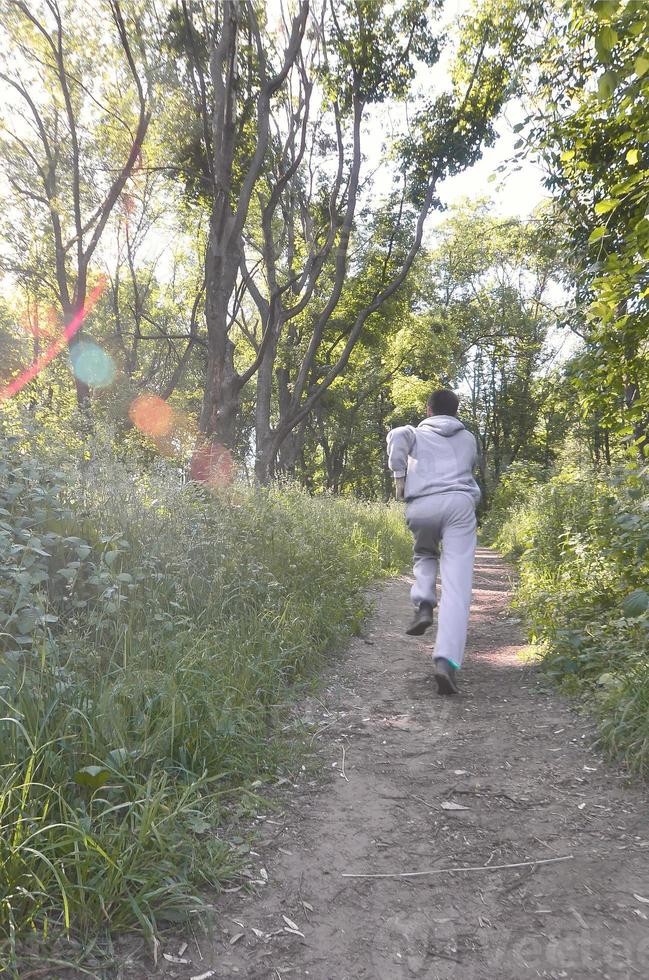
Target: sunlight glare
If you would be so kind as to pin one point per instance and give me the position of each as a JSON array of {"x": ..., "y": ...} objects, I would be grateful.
[
  {"x": 92, "y": 365},
  {"x": 212, "y": 464},
  {"x": 151, "y": 415}
]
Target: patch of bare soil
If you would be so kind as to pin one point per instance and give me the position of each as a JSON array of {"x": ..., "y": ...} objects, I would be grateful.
[{"x": 504, "y": 774}]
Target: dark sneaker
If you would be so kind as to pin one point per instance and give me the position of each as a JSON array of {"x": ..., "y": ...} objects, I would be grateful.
[
  {"x": 423, "y": 619},
  {"x": 445, "y": 677}
]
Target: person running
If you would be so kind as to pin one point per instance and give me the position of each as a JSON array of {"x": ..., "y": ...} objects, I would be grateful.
[{"x": 433, "y": 465}]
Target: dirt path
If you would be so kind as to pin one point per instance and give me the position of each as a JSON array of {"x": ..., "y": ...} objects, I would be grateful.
[{"x": 515, "y": 757}]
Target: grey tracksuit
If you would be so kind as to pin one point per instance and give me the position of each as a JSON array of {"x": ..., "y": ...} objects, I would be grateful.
[{"x": 437, "y": 458}]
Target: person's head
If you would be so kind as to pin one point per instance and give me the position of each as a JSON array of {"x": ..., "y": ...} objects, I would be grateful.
[{"x": 442, "y": 402}]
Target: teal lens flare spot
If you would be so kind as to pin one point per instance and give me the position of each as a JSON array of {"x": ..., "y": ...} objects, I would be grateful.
[{"x": 92, "y": 365}]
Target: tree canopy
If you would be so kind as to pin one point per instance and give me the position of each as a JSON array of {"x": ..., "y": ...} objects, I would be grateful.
[{"x": 225, "y": 210}]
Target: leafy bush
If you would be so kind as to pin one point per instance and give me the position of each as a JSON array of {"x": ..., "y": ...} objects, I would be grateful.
[
  {"x": 514, "y": 490},
  {"x": 152, "y": 637},
  {"x": 582, "y": 540}
]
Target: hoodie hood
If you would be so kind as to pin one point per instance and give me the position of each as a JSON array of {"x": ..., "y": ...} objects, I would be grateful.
[{"x": 443, "y": 425}]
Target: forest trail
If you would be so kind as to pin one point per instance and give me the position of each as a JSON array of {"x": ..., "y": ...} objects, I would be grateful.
[{"x": 515, "y": 756}]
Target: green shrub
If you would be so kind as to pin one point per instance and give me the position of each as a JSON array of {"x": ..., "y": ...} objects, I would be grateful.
[
  {"x": 582, "y": 543},
  {"x": 152, "y": 635},
  {"x": 622, "y": 707},
  {"x": 515, "y": 488}
]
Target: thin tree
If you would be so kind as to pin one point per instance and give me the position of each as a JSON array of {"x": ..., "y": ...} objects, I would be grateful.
[
  {"x": 70, "y": 144},
  {"x": 281, "y": 166}
]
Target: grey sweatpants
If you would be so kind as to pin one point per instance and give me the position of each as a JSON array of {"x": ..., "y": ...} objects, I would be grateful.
[{"x": 446, "y": 522}]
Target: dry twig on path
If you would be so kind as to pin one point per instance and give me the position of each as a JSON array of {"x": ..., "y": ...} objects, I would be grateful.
[
  {"x": 343, "y": 773},
  {"x": 420, "y": 800},
  {"x": 439, "y": 871}
]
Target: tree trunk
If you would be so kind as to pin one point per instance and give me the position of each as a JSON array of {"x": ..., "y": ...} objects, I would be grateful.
[
  {"x": 607, "y": 448},
  {"x": 222, "y": 394},
  {"x": 291, "y": 450},
  {"x": 264, "y": 457},
  {"x": 71, "y": 313}
]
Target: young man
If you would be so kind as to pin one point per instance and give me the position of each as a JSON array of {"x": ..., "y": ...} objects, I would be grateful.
[{"x": 433, "y": 471}]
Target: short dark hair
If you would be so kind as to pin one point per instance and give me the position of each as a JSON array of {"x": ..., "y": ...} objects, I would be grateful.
[{"x": 443, "y": 402}]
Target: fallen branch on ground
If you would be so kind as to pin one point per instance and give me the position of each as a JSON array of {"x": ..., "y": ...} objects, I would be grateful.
[{"x": 440, "y": 871}]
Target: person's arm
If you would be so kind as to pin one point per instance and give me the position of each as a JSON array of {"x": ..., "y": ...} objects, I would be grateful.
[{"x": 400, "y": 442}]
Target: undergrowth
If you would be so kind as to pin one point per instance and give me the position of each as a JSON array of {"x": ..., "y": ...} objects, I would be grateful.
[
  {"x": 152, "y": 635},
  {"x": 582, "y": 543}
]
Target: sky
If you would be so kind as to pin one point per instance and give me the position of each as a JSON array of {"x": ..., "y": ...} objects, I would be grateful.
[{"x": 515, "y": 192}]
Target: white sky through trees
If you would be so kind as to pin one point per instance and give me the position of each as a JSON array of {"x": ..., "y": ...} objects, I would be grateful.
[
  {"x": 515, "y": 191},
  {"x": 514, "y": 188}
]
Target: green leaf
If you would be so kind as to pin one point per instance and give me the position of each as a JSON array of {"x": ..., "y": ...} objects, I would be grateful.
[
  {"x": 598, "y": 233},
  {"x": 605, "y": 42},
  {"x": 606, "y": 85},
  {"x": 117, "y": 757},
  {"x": 632, "y": 156},
  {"x": 641, "y": 65},
  {"x": 28, "y": 620},
  {"x": 635, "y": 603},
  {"x": 606, "y": 8},
  {"x": 609, "y": 204},
  {"x": 198, "y": 823},
  {"x": 92, "y": 777},
  {"x": 609, "y": 681}
]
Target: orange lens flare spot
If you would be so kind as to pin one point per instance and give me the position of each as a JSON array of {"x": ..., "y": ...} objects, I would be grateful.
[{"x": 151, "y": 415}]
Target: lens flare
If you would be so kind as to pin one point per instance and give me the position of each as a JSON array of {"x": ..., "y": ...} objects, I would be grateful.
[
  {"x": 30, "y": 322},
  {"x": 151, "y": 415},
  {"x": 55, "y": 348},
  {"x": 212, "y": 464},
  {"x": 91, "y": 364}
]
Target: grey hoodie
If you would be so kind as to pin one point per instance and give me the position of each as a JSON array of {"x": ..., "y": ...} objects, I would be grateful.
[{"x": 437, "y": 456}]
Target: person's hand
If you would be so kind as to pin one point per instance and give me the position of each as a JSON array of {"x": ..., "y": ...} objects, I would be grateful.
[{"x": 399, "y": 487}]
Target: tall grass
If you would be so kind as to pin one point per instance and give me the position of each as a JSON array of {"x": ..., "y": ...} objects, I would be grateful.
[
  {"x": 152, "y": 637},
  {"x": 582, "y": 543}
]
